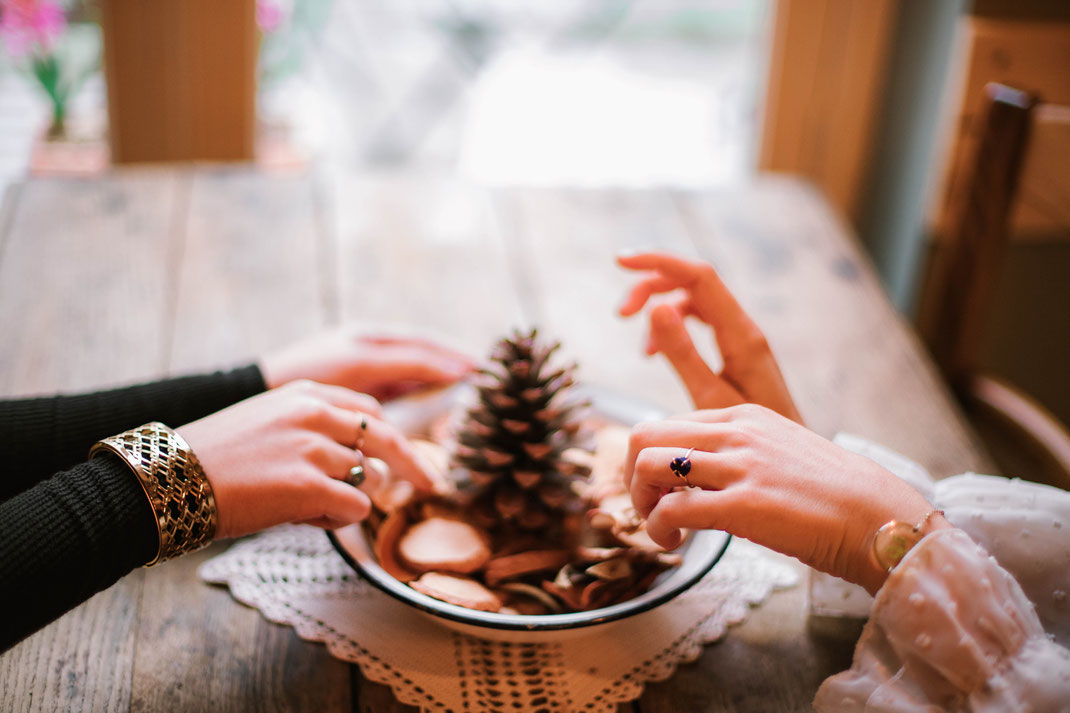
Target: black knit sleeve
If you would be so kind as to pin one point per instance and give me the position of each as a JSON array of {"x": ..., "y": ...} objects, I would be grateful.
[
  {"x": 67, "y": 538},
  {"x": 39, "y": 436}
]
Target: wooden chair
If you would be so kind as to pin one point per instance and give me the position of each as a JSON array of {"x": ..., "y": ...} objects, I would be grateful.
[{"x": 1024, "y": 438}]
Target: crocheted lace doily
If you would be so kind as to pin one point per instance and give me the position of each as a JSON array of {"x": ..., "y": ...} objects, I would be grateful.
[{"x": 294, "y": 577}]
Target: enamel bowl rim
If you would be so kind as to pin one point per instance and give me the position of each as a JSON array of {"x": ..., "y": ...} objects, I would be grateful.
[{"x": 701, "y": 552}]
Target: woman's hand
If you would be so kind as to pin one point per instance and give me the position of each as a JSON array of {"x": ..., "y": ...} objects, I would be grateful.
[
  {"x": 761, "y": 476},
  {"x": 383, "y": 366},
  {"x": 750, "y": 372},
  {"x": 284, "y": 456}
]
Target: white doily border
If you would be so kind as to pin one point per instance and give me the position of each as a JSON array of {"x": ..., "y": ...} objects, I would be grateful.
[{"x": 293, "y": 576}]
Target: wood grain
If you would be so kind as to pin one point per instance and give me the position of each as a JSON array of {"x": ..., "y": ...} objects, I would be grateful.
[
  {"x": 562, "y": 248},
  {"x": 1029, "y": 55},
  {"x": 84, "y": 282},
  {"x": 218, "y": 655},
  {"x": 83, "y": 290},
  {"x": 774, "y": 661},
  {"x": 827, "y": 74},
  {"x": 250, "y": 272},
  {"x": 249, "y": 280},
  {"x": 1042, "y": 211},
  {"x": 422, "y": 254}
]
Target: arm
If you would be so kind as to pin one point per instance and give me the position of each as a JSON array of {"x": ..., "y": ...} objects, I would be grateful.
[
  {"x": 40, "y": 436},
  {"x": 749, "y": 374},
  {"x": 950, "y": 629},
  {"x": 67, "y": 538},
  {"x": 280, "y": 456}
]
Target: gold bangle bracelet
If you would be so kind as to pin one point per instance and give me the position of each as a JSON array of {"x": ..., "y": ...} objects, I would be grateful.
[
  {"x": 894, "y": 539},
  {"x": 173, "y": 481}
]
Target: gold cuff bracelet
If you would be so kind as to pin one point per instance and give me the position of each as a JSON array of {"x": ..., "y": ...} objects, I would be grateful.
[{"x": 174, "y": 482}]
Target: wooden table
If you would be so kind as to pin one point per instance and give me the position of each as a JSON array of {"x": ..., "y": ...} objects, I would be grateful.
[{"x": 153, "y": 272}]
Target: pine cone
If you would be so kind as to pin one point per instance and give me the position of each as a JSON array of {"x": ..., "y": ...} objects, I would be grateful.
[{"x": 512, "y": 445}]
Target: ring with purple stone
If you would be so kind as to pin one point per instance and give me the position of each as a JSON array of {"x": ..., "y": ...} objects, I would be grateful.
[{"x": 681, "y": 466}]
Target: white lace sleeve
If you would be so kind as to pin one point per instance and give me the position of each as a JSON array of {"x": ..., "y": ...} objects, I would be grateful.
[{"x": 952, "y": 630}]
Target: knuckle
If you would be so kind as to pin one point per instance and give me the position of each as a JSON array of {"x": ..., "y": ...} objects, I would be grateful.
[
  {"x": 646, "y": 464},
  {"x": 310, "y": 448},
  {"x": 705, "y": 271},
  {"x": 641, "y": 435},
  {"x": 302, "y": 386},
  {"x": 748, "y": 411},
  {"x": 737, "y": 437},
  {"x": 311, "y": 411}
]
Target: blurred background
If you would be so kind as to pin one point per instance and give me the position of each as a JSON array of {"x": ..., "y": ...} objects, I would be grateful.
[{"x": 880, "y": 104}]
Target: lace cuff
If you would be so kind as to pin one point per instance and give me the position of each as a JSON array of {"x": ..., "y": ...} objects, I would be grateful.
[{"x": 951, "y": 629}]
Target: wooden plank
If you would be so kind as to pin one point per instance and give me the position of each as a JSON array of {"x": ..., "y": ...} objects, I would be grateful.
[
  {"x": 773, "y": 662},
  {"x": 250, "y": 276},
  {"x": 423, "y": 254},
  {"x": 1032, "y": 56},
  {"x": 849, "y": 358},
  {"x": 249, "y": 280},
  {"x": 83, "y": 272},
  {"x": 1042, "y": 210},
  {"x": 199, "y": 650},
  {"x": 826, "y": 78},
  {"x": 83, "y": 288},
  {"x": 562, "y": 248}
]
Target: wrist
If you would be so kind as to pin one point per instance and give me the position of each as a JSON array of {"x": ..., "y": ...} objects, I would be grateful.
[
  {"x": 172, "y": 479},
  {"x": 891, "y": 542}
]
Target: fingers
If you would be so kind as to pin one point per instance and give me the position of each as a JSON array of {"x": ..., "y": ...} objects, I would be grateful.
[
  {"x": 342, "y": 503},
  {"x": 348, "y": 418},
  {"x": 682, "y": 271},
  {"x": 421, "y": 370},
  {"x": 384, "y": 441},
  {"x": 711, "y": 300},
  {"x": 670, "y": 337},
  {"x": 343, "y": 398},
  {"x": 335, "y": 459},
  {"x": 644, "y": 290},
  {"x": 654, "y": 476},
  {"x": 691, "y": 431},
  {"x": 692, "y": 509},
  {"x": 414, "y": 350},
  {"x": 749, "y": 365}
]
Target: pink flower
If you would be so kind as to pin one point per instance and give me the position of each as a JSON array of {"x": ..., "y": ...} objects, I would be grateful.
[
  {"x": 269, "y": 15},
  {"x": 28, "y": 26}
]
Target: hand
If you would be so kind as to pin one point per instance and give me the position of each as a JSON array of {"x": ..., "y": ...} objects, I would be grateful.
[
  {"x": 383, "y": 366},
  {"x": 750, "y": 372},
  {"x": 284, "y": 456},
  {"x": 761, "y": 476}
]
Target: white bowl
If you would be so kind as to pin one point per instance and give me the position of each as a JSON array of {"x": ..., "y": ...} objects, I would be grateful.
[{"x": 700, "y": 553}]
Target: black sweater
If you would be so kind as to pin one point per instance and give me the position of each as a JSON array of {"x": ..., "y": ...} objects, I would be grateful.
[{"x": 71, "y": 527}]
